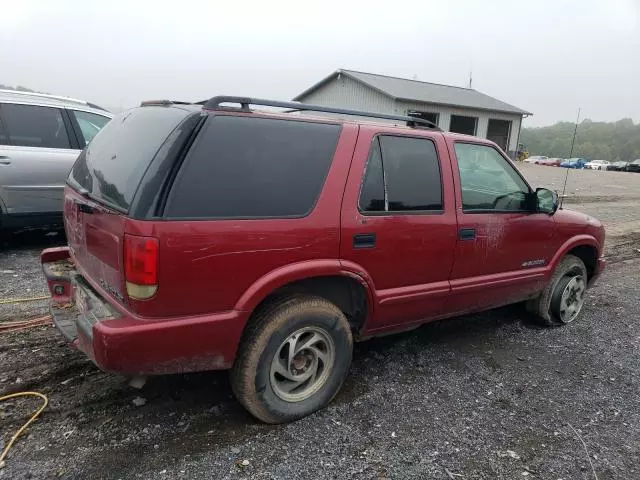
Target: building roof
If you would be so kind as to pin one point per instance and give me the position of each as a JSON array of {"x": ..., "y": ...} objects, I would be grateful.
[{"x": 417, "y": 91}]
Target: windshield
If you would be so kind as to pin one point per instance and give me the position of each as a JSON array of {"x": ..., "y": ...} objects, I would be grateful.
[{"x": 111, "y": 166}]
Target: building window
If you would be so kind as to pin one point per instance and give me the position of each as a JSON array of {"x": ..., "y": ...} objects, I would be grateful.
[
  {"x": 498, "y": 131},
  {"x": 466, "y": 125},
  {"x": 429, "y": 116}
]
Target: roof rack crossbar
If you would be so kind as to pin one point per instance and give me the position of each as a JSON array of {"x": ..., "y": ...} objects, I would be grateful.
[
  {"x": 164, "y": 103},
  {"x": 215, "y": 103}
]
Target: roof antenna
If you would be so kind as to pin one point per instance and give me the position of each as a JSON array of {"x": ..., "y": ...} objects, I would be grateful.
[
  {"x": 575, "y": 130},
  {"x": 470, "y": 78}
]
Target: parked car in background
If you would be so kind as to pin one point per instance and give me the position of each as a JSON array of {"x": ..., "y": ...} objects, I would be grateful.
[
  {"x": 40, "y": 139},
  {"x": 634, "y": 166},
  {"x": 618, "y": 166},
  {"x": 322, "y": 221},
  {"x": 535, "y": 159},
  {"x": 574, "y": 163},
  {"x": 551, "y": 162},
  {"x": 597, "y": 165}
]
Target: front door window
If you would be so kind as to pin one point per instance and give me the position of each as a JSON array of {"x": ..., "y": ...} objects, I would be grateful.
[{"x": 488, "y": 181}]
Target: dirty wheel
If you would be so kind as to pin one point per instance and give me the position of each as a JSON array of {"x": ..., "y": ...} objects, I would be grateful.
[
  {"x": 293, "y": 358},
  {"x": 562, "y": 300}
]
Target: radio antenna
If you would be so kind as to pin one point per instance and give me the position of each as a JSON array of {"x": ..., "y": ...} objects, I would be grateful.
[{"x": 566, "y": 176}]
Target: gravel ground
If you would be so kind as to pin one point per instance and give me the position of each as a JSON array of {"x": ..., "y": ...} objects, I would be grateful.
[{"x": 487, "y": 396}]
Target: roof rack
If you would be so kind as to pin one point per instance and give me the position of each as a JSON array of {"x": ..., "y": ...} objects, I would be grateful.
[
  {"x": 215, "y": 103},
  {"x": 162, "y": 103},
  {"x": 53, "y": 97}
]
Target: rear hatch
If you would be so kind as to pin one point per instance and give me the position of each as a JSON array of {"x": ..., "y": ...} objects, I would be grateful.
[{"x": 101, "y": 188}]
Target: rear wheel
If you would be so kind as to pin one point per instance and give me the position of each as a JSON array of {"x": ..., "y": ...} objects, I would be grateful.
[
  {"x": 293, "y": 359},
  {"x": 562, "y": 300}
]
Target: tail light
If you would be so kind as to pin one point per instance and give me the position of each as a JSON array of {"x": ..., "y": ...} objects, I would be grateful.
[{"x": 140, "y": 266}]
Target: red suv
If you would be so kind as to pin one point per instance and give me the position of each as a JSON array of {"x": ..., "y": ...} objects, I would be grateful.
[{"x": 208, "y": 236}]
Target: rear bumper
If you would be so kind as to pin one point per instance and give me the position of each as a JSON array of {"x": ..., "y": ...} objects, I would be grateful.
[{"x": 118, "y": 341}]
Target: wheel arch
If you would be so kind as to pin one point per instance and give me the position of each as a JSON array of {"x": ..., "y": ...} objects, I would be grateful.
[
  {"x": 324, "y": 278},
  {"x": 585, "y": 247}
]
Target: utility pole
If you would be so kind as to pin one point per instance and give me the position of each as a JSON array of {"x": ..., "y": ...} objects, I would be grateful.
[{"x": 574, "y": 134}]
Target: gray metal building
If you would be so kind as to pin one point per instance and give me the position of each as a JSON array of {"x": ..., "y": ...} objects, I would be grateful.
[{"x": 455, "y": 109}]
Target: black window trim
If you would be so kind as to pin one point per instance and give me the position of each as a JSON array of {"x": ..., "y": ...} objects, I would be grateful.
[
  {"x": 76, "y": 144},
  {"x": 3, "y": 128},
  {"x": 488, "y": 210},
  {"x": 194, "y": 144},
  {"x": 388, "y": 213},
  {"x": 70, "y": 136}
]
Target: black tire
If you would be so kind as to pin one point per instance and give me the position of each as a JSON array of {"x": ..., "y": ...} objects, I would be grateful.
[
  {"x": 544, "y": 308},
  {"x": 251, "y": 375}
]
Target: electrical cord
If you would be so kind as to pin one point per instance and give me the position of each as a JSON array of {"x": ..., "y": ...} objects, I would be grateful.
[{"x": 45, "y": 402}]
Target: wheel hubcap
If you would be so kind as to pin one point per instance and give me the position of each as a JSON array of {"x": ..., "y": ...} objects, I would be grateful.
[
  {"x": 302, "y": 364},
  {"x": 572, "y": 299}
]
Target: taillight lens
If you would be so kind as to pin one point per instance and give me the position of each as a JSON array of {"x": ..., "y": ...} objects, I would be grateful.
[{"x": 141, "y": 266}]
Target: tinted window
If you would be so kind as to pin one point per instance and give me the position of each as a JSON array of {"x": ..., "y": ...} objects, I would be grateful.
[
  {"x": 111, "y": 166},
  {"x": 242, "y": 167},
  {"x": 372, "y": 197},
  {"x": 90, "y": 124},
  {"x": 412, "y": 174},
  {"x": 488, "y": 181},
  {"x": 411, "y": 179},
  {"x": 32, "y": 126}
]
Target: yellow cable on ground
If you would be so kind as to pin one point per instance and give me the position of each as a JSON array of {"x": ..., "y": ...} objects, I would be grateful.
[
  {"x": 18, "y": 300},
  {"x": 23, "y": 428}
]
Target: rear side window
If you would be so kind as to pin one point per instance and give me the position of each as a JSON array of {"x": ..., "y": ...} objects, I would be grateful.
[
  {"x": 90, "y": 124},
  {"x": 34, "y": 126},
  {"x": 243, "y": 167},
  {"x": 112, "y": 165},
  {"x": 408, "y": 170}
]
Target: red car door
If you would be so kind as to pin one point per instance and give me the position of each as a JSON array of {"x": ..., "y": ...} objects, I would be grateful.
[
  {"x": 503, "y": 247},
  {"x": 398, "y": 224}
]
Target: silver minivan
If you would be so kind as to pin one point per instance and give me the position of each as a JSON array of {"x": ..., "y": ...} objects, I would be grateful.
[{"x": 40, "y": 138}]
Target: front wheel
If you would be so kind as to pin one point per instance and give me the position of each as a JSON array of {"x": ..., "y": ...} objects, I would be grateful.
[
  {"x": 293, "y": 359},
  {"x": 562, "y": 300}
]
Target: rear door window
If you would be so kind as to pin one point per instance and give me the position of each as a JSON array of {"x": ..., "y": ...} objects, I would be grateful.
[
  {"x": 112, "y": 165},
  {"x": 402, "y": 175},
  {"x": 244, "y": 167},
  {"x": 34, "y": 126}
]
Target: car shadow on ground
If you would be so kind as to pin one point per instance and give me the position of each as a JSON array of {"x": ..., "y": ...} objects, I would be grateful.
[{"x": 31, "y": 239}]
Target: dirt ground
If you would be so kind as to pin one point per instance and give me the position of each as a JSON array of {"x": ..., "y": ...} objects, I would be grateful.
[{"x": 488, "y": 396}]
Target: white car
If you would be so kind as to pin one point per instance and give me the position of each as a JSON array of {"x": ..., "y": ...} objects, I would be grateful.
[{"x": 597, "y": 165}]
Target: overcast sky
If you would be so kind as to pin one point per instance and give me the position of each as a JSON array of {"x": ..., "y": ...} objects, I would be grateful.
[{"x": 547, "y": 57}]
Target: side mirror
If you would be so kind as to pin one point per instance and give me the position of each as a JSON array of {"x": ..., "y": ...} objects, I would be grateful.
[{"x": 546, "y": 201}]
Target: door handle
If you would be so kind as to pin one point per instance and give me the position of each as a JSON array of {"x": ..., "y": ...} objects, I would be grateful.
[
  {"x": 364, "y": 240},
  {"x": 4, "y": 160},
  {"x": 467, "y": 234}
]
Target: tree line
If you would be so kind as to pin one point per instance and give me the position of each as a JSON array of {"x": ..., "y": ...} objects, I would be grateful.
[{"x": 612, "y": 141}]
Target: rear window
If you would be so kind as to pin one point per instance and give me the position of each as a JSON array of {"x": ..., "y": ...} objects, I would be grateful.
[
  {"x": 112, "y": 165},
  {"x": 243, "y": 167}
]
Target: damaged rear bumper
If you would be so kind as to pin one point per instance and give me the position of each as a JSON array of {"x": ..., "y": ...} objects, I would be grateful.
[{"x": 118, "y": 341}]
